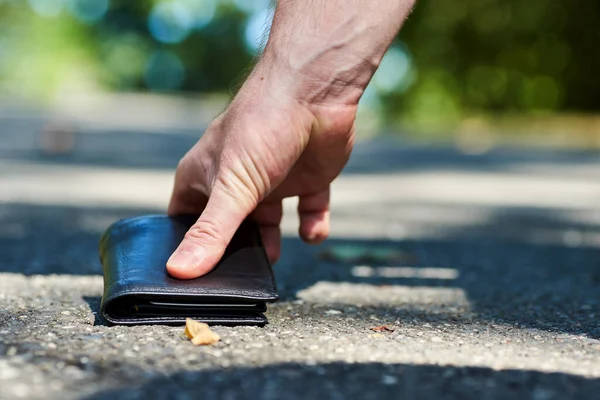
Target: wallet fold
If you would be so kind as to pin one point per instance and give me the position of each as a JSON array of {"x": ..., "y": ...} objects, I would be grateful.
[{"x": 138, "y": 289}]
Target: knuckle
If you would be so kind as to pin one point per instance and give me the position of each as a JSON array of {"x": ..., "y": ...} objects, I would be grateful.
[
  {"x": 205, "y": 232},
  {"x": 235, "y": 187},
  {"x": 182, "y": 163},
  {"x": 185, "y": 161}
]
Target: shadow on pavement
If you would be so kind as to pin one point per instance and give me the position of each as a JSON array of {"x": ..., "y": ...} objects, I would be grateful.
[
  {"x": 392, "y": 155},
  {"x": 365, "y": 381},
  {"x": 103, "y": 148},
  {"x": 547, "y": 287},
  {"x": 504, "y": 277},
  {"x": 514, "y": 268},
  {"x": 94, "y": 302},
  {"x": 48, "y": 239},
  {"x": 132, "y": 149}
]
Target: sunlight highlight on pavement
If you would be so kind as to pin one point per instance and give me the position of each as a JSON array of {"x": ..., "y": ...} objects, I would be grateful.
[
  {"x": 365, "y": 271},
  {"x": 435, "y": 299}
]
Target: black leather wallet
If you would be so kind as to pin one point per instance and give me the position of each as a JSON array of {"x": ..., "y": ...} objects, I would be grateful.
[{"x": 138, "y": 289}]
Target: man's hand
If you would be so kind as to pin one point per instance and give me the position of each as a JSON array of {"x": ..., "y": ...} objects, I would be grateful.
[
  {"x": 264, "y": 148},
  {"x": 288, "y": 132}
]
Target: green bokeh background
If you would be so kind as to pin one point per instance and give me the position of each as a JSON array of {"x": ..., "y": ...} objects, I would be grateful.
[{"x": 467, "y": 57}]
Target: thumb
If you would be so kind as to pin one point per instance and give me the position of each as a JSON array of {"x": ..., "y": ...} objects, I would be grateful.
[{"x": 205, "y": 242}]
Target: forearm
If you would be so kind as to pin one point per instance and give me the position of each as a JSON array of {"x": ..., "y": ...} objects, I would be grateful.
[{"x": 326, "y": 51}]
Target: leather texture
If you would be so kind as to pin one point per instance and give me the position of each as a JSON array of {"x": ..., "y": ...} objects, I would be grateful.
[{"x": 138, "y": 289}]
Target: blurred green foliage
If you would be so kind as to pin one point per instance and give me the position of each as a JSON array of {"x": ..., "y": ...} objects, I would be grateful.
[
  {"x": 453, "y": 58},
  {"x": 502, "y": 56}
]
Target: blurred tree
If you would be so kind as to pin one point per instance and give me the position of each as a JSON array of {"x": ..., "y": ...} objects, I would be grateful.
[
  {"x": 502, "y": 55},
  {"x": 453, "y": 57}
]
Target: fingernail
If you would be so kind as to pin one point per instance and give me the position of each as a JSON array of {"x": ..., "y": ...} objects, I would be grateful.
[{"x": 186, "y": 259}]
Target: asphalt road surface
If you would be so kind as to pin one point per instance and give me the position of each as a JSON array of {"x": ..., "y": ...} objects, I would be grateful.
[{"x": 485, "y": 267}]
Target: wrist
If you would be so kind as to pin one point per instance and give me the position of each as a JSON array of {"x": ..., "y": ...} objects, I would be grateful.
[
  {"x": 269, "y": 93},
  {"x": 315, "y": 78}
]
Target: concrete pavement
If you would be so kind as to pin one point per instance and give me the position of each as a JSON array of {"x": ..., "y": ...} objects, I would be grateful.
[{"x": 486, "y": 267}]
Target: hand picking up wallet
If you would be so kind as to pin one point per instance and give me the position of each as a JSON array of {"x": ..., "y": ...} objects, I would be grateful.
[{"x": 138, "y": 289}]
